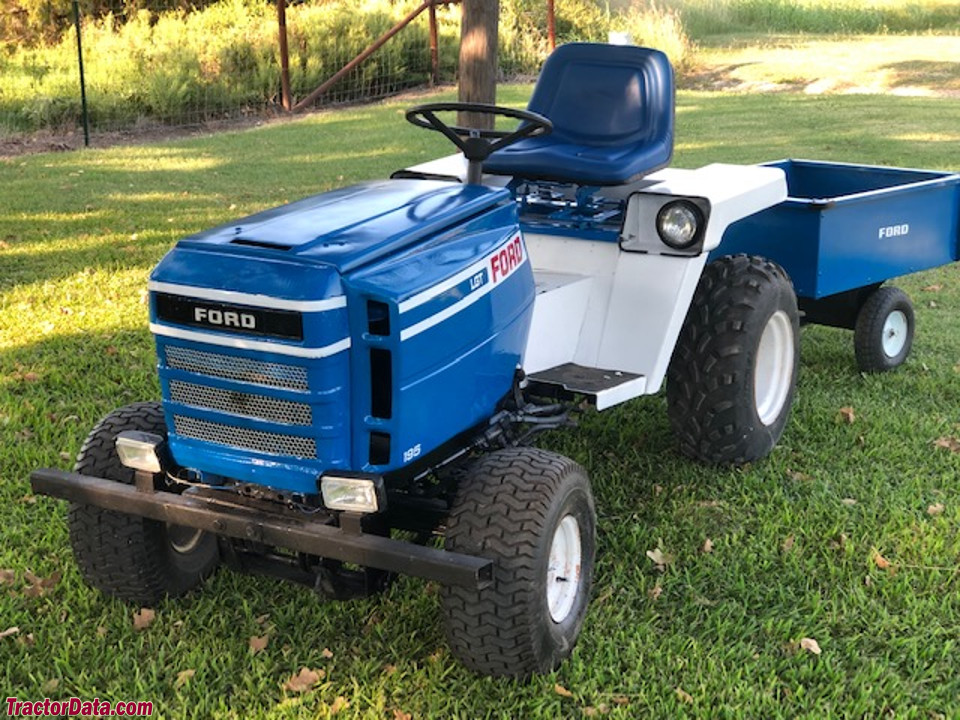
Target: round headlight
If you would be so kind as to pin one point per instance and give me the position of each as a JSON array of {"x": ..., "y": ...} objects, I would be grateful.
[{"x": 678, "y": 224}]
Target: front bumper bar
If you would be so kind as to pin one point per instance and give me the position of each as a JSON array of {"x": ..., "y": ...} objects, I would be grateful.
[{"x": 269, "y": 528}]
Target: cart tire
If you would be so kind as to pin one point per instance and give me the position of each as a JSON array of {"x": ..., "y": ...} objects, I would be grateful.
[
  {"x": 884, "y": 331},
  {"x": 532, "y": 513},
  {"x": 732, "y": 377},
  {"x": 126, "y": 556}
]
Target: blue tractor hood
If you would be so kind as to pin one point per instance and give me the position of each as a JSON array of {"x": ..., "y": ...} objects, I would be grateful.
[{"x": 355, "y": 225}]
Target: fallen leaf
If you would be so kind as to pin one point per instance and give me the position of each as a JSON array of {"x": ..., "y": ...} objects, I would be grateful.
[
  {"x": 340, "y": 703},
  {"x": 262, "y": 619},
  {"x": 659, "y": 558},
  {"x": 948, "y": 443},
  {"x": 183, "y": 676},
  {"x": 655, "y": 592},
  {"x": 810, "y": 644},
  {"x": 326, "y": 653},
  {"x": 304, "y": 680},
  {"x": 684, "y": 695},
  {"x": 710, "y": 503},
  {"x": 787, "y": 544},
  {"x": 839, "y": 542},
  {"x": 29, "y": 640},
  {"x": 936, "y": 287},
  {"x": 562, "y": 691},
  {"x": 111, "y": 350},
  {"x": 65, "y": 456},
  {"x": 7, "y": 577},
  {"x": 879, "y": 560},
  {"x": 620, "y": 700},
  {"x": 401, "y": 715},
  {"x": 49, "y": 686},
  {"x": 258, "y": 643},
  {"x": 847, "y": 415},
  {"x": 389, "y": 669},
  {"x": 707, "y": 546},
  {"x": 37, "y": 586},
  {"x": 849, "y": 502},
  {"x": 797, "y": 476},
  {"x": 31, "y": 377},
  {"x": 935, "y": 509},
  {"x": 101, "y": 631},
  {"x": 933, "y": 304},
  {"x": 143, "y": 618},
  {"x": 9, "y": 632}
]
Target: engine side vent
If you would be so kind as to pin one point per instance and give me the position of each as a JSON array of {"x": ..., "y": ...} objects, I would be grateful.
[
  {"x": 378, "y": 318},
  {"x": 379, "y": 448},
  {"x": 381, "y": 384}
]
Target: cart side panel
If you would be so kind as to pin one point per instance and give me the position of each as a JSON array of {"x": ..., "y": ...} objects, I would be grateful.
[
  {"x": 872, "y": 240},
  {"x": 788, "y": 234}
]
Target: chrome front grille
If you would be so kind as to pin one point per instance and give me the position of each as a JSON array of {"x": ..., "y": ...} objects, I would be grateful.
[
  {"x": 257, "y": 440},
  {"x": 228, "y": 367},
  {"x": 240, "y": 403}
]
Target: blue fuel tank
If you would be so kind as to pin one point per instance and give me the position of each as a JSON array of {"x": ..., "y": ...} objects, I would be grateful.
[{"x": 358, "y": 329}]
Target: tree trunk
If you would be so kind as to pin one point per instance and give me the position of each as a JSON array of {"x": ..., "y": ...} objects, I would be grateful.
[{"x": 478, "y": 59}]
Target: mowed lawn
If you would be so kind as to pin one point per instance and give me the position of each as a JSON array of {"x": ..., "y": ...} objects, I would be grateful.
[{"x": 848, "y": 535}]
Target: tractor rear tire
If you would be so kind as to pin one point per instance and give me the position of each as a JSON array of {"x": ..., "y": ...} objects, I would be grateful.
[
  {"x": 732, "y": 377},
  {"x": 883, "y": 334},
  {"x": 126, "y": 556},
  {"x": 532, "y": 513}
]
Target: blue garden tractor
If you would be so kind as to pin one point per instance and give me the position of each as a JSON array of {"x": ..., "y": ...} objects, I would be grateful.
[{"x": 351, "y": 383}]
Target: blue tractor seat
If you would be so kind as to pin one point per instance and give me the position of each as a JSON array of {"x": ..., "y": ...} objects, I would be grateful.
[{"x": 612, "y": 108}]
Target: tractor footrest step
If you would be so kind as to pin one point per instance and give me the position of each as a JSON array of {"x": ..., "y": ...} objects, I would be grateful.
[{"x": 604, "y": 387}]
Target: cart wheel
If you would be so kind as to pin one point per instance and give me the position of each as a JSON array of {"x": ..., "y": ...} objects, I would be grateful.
[
  {"x": 731, "y": 379},
  {"x": 127, "y": 556},
  {"x": 531, "y": 512},
  {"x": 884, "y": 331}
]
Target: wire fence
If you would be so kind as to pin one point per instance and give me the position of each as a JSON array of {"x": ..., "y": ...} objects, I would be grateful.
[{"x": 144, "y": 73}]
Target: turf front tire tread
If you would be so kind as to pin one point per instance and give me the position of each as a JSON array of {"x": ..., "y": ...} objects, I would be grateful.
[
  {"x": 126, "y": 556},
  {"x": 510, "y": 508}
]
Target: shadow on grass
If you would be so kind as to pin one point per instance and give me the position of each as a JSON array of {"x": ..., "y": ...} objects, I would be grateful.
[{"x": 943, "y": 74}]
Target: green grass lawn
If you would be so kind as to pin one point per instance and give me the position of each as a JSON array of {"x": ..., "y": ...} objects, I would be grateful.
[{"x": 795, "y": 538}]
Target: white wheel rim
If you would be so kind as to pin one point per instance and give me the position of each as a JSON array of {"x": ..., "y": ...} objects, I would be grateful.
[
  {"x": 773, "y": 375},
  {"x": 563, "y": 572},
  {"x": 894, "y": 333},
  {"x": 183, "y": 539}
]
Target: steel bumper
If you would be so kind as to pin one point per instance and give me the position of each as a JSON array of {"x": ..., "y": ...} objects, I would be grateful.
[{"x": 273, "y": 529}]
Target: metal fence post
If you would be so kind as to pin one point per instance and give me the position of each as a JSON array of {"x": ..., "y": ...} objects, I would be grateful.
[{"x": 83, "y": 84}]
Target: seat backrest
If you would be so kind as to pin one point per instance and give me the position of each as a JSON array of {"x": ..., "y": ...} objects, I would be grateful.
[
  {"x": 599, "y": 94},
  {"x": 612, "y": 108}
]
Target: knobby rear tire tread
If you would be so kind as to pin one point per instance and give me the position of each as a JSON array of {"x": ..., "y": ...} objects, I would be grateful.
[{"x": 710, "y": 399}]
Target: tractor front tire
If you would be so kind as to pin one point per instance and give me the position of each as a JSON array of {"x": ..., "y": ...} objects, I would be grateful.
[
  {"x": 531, "y": 512},
  {"x": 126, "y": 556},
  {"x": 883, "y": 335},
  {"x": 731, "y": 380}
]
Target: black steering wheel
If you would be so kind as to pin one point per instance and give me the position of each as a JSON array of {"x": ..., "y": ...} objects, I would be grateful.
[{"x": 476, "y": 144}]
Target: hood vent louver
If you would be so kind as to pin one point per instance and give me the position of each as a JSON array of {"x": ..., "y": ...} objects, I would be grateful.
[{"x": 260, "y": 244}]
